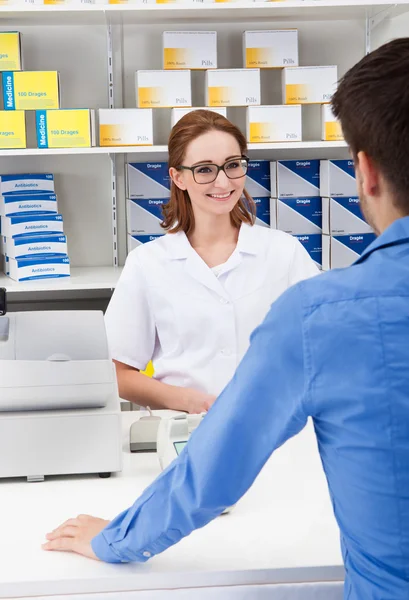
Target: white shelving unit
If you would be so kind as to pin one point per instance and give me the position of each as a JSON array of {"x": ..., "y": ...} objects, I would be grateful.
[{"x": 98, "y": 48}]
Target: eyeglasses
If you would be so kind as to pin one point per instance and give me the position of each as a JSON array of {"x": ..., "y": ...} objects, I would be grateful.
[{"x": 207, "y": 173}]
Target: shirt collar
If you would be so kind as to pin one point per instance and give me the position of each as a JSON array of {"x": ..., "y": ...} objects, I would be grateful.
[{"x": 395, "y": 234}]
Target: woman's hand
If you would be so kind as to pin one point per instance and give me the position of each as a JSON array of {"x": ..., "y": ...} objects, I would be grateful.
[{"x": 197, "y": 402}]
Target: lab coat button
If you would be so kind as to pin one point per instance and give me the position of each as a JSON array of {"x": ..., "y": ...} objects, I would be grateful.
[
  {"x": 225, "y": 351},
  {"x": 224, "y": 300},
  {"x": 147, "y": 554}
]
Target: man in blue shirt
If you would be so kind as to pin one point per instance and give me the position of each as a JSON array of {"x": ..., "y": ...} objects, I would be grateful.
[{"x": 335, "y": 348}]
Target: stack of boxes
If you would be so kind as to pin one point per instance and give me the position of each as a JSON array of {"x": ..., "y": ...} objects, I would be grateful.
[
  {"x": 345, "y": 232},
  {"x": 32, "y": 242}
]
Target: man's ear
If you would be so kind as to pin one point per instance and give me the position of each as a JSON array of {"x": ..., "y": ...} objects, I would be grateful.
[
  {"x": 368, "y": 174},
  {"x": 177, "y": 178}
]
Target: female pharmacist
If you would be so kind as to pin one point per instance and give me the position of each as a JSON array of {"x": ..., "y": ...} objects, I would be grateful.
[{"x": 189, "y": 300}]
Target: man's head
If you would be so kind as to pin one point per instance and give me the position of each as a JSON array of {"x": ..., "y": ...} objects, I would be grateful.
[{"x": 372, "y": 103}]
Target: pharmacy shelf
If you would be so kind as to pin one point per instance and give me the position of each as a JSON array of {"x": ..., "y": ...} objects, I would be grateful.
[
  {"x": 82, "y": 278},
  {"x": 163, "y": 149},
  {"x": 206, "y": 12}
]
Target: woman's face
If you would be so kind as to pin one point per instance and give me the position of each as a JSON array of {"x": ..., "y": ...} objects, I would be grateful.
[{"x": 216, "y": 197}]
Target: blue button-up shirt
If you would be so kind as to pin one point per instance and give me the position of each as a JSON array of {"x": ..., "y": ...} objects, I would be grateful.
[{"x": 335, "y": 348}]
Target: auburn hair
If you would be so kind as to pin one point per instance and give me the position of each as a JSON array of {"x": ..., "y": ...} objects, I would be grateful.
[{"x": 178, "y": 212}]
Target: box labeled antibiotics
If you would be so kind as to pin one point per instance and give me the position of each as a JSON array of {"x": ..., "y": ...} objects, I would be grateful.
[
  {"x": 138, "y": 240},
  {"x": 272, "y": 49},
  {"x": 14, "y": 204},
  {"x": 338, "y": 178},
  {"x": 299, "y": 216},
  {"x": 31, "y": 90},
  {"x": 148, "y": 180},
  {"x": 343, "y": 216},
  {"x": 163, "y": 89},
  {"x": 30, "y": 245},
  {"x": 22, "y": 183},
  {"x": 258, "y": 181},
  {"x": 125, "y": 127},
  {"x": 233, "y": 87},
  {"x": 343, "y": 250},
  {"x": 38, "y": 267},
  {"x": 178, "y": 113},
  {"x": 269, "y": 124},
  {"x": 12, "y": 129},
  {"x": 313, "y": 244},
  {"x": 72, "y": 128},
  {"x": 309, "y": 85},
  {"x": 10, "y": 51},
  {"x": 145, "y": 216},
  {"x": 298, "y": 178},
  {"x": 31, "y": 223},
  {"x": 189, "y": 50},
  {"x": 331, "y": 127}
]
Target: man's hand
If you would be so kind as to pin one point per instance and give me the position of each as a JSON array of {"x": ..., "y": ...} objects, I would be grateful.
[{"x": 75, "y": 535}]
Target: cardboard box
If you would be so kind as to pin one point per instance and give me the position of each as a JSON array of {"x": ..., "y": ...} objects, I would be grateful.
[
  {"x": 272, "y": 49},
  {"x": 337, "y": 178},
  {"x": 14, "y": 204},
  {"x": 313, "y": 244},
  {"x": 31, "y": 90},
  {"x": 258, "y": 181},
  {"x": 31, "y": 245},
  {"x": 189, "y": 50},
  {"x": 148, "y": 180},
  {"x": 23, "y": 183},
  {"x": 12, "y": 129},
  {"x": 299, "y": 216},
  {"x": 343, "y": 250},
  {"x": 71, "y": 128},
  {"x": 39, "y": 267},
  {"x": 10, "y": 51},
  {"x": 309, "y": 85},
  {"x": 178, "y": 113},
  {"x": 269, "y": 124},
  {"x": 31, "y": 223},
  {"x": 138, "y": 240},
  {"x": 263, "y": 211},
  {"x": 125, "y": 127},
  {"x": 145, "y": 216},
  {"x": 163, "y": 89},
  {"x": 298, "y": 178},
  {"x": 331, "y": 127},
  {"x": 233, "y": 87},
  {"x": 343, "y": 216}
]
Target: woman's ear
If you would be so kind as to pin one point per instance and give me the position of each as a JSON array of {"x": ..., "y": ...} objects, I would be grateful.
[{"x": 178, "y": 178}]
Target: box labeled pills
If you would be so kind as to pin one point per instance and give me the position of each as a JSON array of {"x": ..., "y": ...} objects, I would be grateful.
[
  {"x": 125, "y": 127},
  {"x": 331, "y": 127},
  {"x": 189, "y": 50},
  {"x": 178, "y": 113},
  {"x": 270, "y": 49},
  {"x": 163, "y": 89},
  {"x": 269, "y": 124},
  {"x": 233, "y": 87},
  {"x": 309, "y": 85}
]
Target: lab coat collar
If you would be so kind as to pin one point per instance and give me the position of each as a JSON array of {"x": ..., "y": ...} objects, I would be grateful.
[{"x": 397, "y": 233}]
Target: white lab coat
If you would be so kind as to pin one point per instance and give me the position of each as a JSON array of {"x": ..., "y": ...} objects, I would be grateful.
[{"x": 169, "y": 307}]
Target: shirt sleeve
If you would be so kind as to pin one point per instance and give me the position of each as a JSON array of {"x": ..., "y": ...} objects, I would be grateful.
[
  {"x": 129, "y": 321},
  {"x": 302, "y": 265},
  {"x": 263, "y": 405}
]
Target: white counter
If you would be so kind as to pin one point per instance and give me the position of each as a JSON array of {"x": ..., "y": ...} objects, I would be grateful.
[{"x": 280, "y": 536}]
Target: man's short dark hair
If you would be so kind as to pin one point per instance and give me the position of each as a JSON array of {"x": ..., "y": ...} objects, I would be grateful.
[{"x": 372, "y": 104}]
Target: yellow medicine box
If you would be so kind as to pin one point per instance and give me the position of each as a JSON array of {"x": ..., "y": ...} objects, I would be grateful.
[
  {"x": 272, "y": 49},
  {"x": 71, "y": 128},
  {"x": 189, "y": 50},
  {"x": 233, "y": 87},
  {"x": 31, "y": 90},
  {"x": 125, "y": 127},
  {"x": 12, "y": 129},
  {"x": 10, "y": 51},
  {"x": 331, "y": 127},
  {"x": 309, "y": 85},
  {"x": 163, "y": 89}
]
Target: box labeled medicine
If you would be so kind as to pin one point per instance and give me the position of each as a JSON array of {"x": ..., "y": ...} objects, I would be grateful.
[
  {"x": 233, "y": 87},
  {"x": 26, "y": 182},
  {"x": 299, "y": 216},
  {"x": 30, "y": 245},
  {"x": 258, "y": 181},
  {"x": 163, "y": 89},
  {"x": 343, "y": 216},
  {"x": 138, "y": 240},
  {"x": 262, "y": 211},
  {"x": 145, "y": 216},
  {"x": 14, "y": 204},
  {"x": 331, "y": 127},
  {"x": 31, "y": 90},
  {"x": 189, "y": 50},
  {"x": 337, "y": 178},
  {"x": 309, "y": 85},
  {"x": 298, "y": 178},
  {"x": 38, "y": 267},
  {"x": 71, "y": 128},
  {"x": 10, "y": 51},
  {"x": 18, "y": 225},
  {"x": 125, "y": 127},
  {"x": 12, "y": 129},
  {"x": 178, "y": 113},
  {"x": 313, "y": 244},
  {"x": 269, "y": 124},
  {"x": 272, "y": 49},
  {"x": 148, "y": 180},
  {"x": 343, "y": 250}
]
